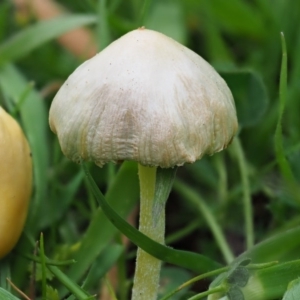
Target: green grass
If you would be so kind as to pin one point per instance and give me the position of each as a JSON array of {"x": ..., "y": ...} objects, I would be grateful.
[{"x": 220, "y": 205}]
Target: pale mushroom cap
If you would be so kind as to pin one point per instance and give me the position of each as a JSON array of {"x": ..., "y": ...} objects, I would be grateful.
[{"x": 145, "y": 98}]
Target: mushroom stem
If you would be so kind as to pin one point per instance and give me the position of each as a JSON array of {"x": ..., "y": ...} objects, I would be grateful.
[{"x": 147, "y": 273}]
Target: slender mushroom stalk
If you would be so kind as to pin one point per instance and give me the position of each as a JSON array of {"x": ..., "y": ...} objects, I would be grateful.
[
  {"x": 15, "y": 181},
  {"x": 148, "y": 99},
  {"x": 146, "y": 279}
]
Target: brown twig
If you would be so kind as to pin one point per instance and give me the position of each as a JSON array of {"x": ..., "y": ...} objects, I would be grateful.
[{"x": 17, "y": 289}]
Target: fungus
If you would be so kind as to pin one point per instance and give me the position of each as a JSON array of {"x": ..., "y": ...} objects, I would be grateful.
[
  {"x": 15, "y": 181},
  {"x": 148, "y": 99}
]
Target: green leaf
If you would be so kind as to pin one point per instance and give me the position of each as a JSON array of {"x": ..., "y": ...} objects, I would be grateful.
[
  {"x": 284, "y": 166},
  {"x": 51, "y": 293},
  {"x": 235, "y": 293},
  {"x": 189, "y": 260},
  {"x": 201, "y": 207},
  {"x": 52, "y": 211},
  {"x": 278, "y": 247},
  {"x": 122, "y": 195},
  {"x": 167, "y": 17},
  {"x": 249, "y": 94},
  {"x": 35, "y": 123},
  {"x": 282, "y": 246},
  {"x": 218, "y": 52},
  {"x": 293, "y": 290},
  {"x": 5, "y": 7},
  {"x": 269, "y": 282},
  {"x": 272, "y": 282},
  {"x": 34, "y": 36},
  {"x": 103, "y": 30},
  {"x": 104, "y": 262},
  {"x": 71, "y": 286},
  {"x": 237, "y": 17},
  {"x": 5, "y": 295},
  {"x": 171, "y": 278},
  {"x": 245, "y": 262},
  {"x": 239, "y": 276}
]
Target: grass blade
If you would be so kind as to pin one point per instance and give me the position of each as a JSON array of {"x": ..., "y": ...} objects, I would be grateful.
[
  {"x": 279, "y": 150},
  {"x": 34, "y": 36},
  {"x": 6, "y": 295},
  {"x": 190, "y": 260},
  {"x": 122, "y": 196},
  {"x": 35, "y": 122}
]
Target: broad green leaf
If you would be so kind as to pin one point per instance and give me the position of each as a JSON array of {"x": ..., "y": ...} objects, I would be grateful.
[
  {"x": 5, "y": 295},
  {"x": 34, "y": 36},
  {"x": 273, "y": 281},
  {"x": 189, "y": 260},
  {"x": 250, "y": 96},
  {"x": 265, "y": 283},
  {"x": 279, "y": 247},
  {"x": 293, "y": 290}
]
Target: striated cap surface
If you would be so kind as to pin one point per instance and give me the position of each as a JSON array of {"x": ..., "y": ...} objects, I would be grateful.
[{"x": 145, "y": 98}]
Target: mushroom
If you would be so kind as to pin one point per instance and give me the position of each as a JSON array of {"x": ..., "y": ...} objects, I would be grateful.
[
  {"x": 15, "y": 181},
  {"x": 148, "y": 99}
]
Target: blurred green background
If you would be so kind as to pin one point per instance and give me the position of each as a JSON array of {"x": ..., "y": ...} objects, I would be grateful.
[{"x": 241, "y": 39}]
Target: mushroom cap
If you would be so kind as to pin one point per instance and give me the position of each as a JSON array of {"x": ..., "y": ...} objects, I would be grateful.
[{"x": 144, "y": 98}]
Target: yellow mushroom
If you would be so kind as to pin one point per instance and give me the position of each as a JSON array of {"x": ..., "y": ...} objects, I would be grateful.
[{"x": 15, "y": 181}]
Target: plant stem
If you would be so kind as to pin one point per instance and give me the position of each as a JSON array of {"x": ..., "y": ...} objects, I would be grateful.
[
  {"x": 248, "y": 213},
  {"x": 197, "y": 200},
  {"x": 75, "y": 289},
  {"x": 222, "y": 184},
  {"x": 217, "y": 289},
  {"x": 146, "y": 278},
  {"x": 181, "y": 233},
  {"x": 195, "y": 279}
]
